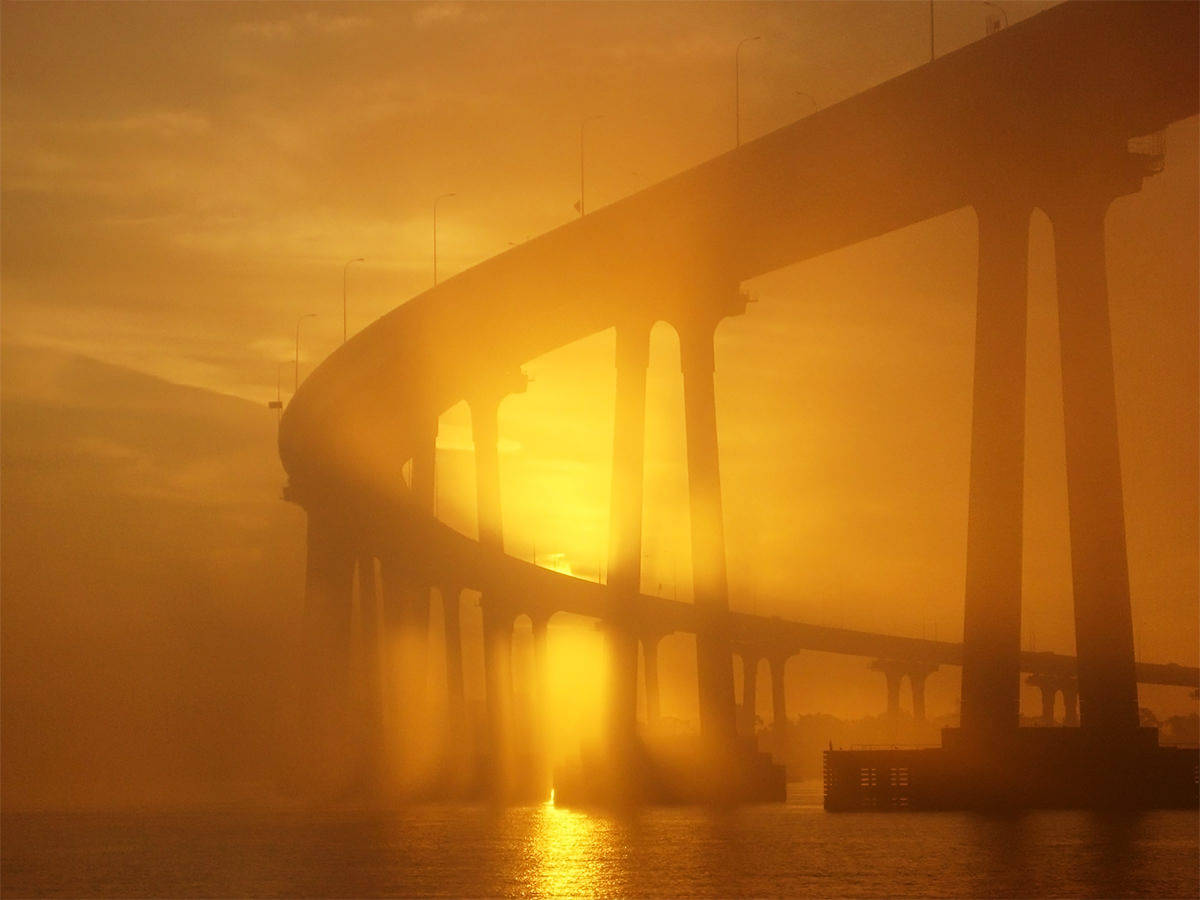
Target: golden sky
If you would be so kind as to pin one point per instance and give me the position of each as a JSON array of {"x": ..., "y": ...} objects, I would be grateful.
[{"x": 182, "y": 181}]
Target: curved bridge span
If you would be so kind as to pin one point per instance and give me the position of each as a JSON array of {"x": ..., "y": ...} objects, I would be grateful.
[{"x": 1009, "y": 124}]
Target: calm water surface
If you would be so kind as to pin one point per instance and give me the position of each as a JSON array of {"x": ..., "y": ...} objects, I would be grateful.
[{"x": 792, "y": 849}]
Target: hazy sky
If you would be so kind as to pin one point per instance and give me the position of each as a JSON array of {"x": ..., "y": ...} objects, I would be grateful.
[{"x": 181, "y": 181}]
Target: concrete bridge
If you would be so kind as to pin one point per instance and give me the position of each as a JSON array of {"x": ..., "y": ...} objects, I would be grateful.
[{"x": 1042, "y": 115}]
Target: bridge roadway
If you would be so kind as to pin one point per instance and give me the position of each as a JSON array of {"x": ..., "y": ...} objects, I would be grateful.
[
  {"x": 1014, "y": 114},
  {"x": 521, "y": 588}
]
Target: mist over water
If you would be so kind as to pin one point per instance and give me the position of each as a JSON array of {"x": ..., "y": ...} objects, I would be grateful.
[
  {"x": 848, "y": 429},
  {"x": 792, "y": 849}
]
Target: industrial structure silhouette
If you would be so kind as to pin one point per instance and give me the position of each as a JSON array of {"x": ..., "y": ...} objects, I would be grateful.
[{"x": 1058, "y": 113}]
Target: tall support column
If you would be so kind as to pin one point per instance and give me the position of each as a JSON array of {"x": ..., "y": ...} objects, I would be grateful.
[
  {"x": 424, "y": 467},
  {"x": 1100, "y": 569},
  {"x": 650, "y": 667},
  {"x": 779, "y": 722},
  {"x": 455, "y": 687},
  {"x": 497, "y": 666},
  {"x": 541, "y": 687},
  {"x": 625, "y": 528},
  {"x": 916, "y": 683},
  {"x": 893, "y": 692},
  {"x": 486, "y": 435},
  {"x": 710, "y": 587},
  {"x": 749, "y": 691},
  {"x": 497, "y": 625},
  {"x": 329, "y": 586},
  {"x": 893, "y": 671},
  {"x": 1049, "y": 692},
  {"x": 369, "y": 671},
  {"x": 992, "y": 609},
  {"x": 1070, "y": 692},
  {"x": 424, "y": 475}
]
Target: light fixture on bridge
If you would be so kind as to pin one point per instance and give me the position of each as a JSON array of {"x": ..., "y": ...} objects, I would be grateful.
[
  {"x": 435, "y": 206},
  {"x": 737, "y": 86}
]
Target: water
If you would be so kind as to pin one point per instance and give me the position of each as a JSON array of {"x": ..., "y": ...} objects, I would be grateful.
[{"x": 793, "y": 849}]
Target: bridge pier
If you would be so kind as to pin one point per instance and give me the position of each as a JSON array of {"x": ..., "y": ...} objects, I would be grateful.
[
  {"x": 541, "y": 717},
  {"x": 456, "y": 701},
  {"x": 497, "y": 667},
  {"x": 1051, "y": 684},
  {"x": 749, "y": 691},
  {"x": 329, "y": 586},
  {"x": 893, "y": 671},
  {"x": 992, "y": 606},
  {"x": 1048, "y": 686},
  {"x": 779, "y": 721},
  {"x": 497, "y": 622},
  {"x": 625, "y": 530},
  {"x": 485, "y": 435},
  {"x": 917, "y": 674},
  {"x": 1070, "y": 692},
  {"x": 1100, "y": 569},
  {"x": 368, "y": 673},
  {"x": 709, "y": 578},
  {"x": 650, "y": 676},
  {"x": 424, "y": 485}
]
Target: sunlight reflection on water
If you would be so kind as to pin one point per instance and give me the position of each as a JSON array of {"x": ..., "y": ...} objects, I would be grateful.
[{"x": 549, "y": 851}]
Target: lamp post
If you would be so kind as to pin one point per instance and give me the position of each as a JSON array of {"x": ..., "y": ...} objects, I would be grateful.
[
  {"x": 345, "y": 268},
  {"x": 582, "y": 123},
  {"x": 296, "y": 385},
  {"x": 737, "y": 86},
  {"x": 998, "y": 8},
  {"x": 435, "y": 206},
  {"x": 931, "y": 54}
]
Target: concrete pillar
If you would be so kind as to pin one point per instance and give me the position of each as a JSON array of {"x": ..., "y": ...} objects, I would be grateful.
[
  {"x": 370, "y": 673},
  {"x": 893, "y": 677},
  {"x": 625, "y": 529},
  {"x": 497, "y": 623},
  {"x": 893, "y": 673},
  {"x": 497, "y": 666},
  {"x": 1070, "y": 692},
  {"x": 650, "y": 667},
  {"x": 485, "y": 433},
  {"x": 456, "y": 702},
  {"x": 992, "y": 608},
  {"x": 424, "y": 481},
  {"x": 541, "y": 688},
  {"x": 1100, "y": 570},
  {"x": 916, "y": 683},
  {"x": 779, "y": 721},
  {"x": 329, "y": 586},
  {"x": 710, "y": 587},
  {"x": 424, "y": 467},
  {"x": 749, "y": 691},
  {"x": 1049, "y": 692}
]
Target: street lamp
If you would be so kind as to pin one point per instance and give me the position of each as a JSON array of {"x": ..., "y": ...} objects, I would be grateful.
[
  {"x": 345, "y": 268},
  {"x": 998, "y": 8},
  {"x": 737, "y": 85},
  {"x": 931, "y": 54},
  {"x": 582, "y": 123},
  {"x": 435, "y": 205},
  {"x": 296, "y": 385}
]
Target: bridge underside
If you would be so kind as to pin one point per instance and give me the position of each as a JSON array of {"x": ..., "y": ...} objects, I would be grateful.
[{"x": 1012, "y": 124}]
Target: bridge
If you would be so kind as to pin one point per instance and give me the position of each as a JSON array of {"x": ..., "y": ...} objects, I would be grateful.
[{"x": 1045, "y": 114}]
